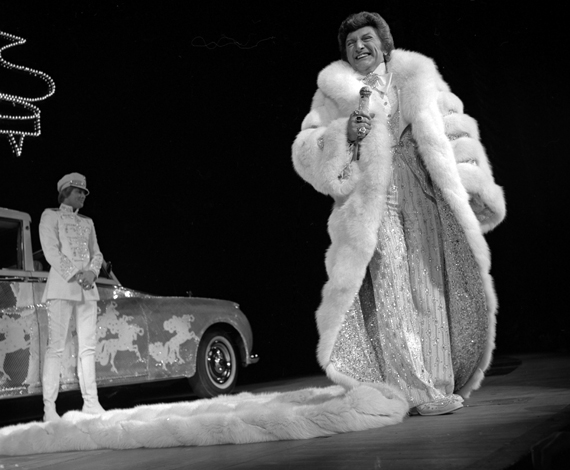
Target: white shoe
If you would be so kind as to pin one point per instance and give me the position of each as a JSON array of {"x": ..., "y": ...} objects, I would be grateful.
[
  {"x": 457, "y": 398},
  {"x": 93, "y": 407},
  {"x": 50, "y": 415},
  {"x": 88, "y": 385},
  {"x": 439, "y": 407}
]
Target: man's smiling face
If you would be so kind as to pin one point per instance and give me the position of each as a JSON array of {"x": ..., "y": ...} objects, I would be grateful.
[
  {"x": 364, "y": 50},
  {"x": 76, "y": 198}
]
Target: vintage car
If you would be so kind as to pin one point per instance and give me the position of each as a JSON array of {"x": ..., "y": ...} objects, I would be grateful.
[{"x": 141, "y": 337}]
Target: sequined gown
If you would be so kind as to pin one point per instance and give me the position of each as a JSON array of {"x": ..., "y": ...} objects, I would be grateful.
[{"x": 417, "y": 320}]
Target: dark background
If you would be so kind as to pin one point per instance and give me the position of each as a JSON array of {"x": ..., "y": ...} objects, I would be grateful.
[{"x": 182, "y": 114}]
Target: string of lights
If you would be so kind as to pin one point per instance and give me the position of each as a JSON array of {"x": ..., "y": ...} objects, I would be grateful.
[{"x": 31, "y": 111}]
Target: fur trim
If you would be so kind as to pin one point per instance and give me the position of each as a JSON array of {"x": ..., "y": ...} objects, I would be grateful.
[
  {"x": 457, "y": 125},
  {"x": 449, "y": 104},
  {"x": 229, "y": 419},
  {"x": 353, "y": 228}
]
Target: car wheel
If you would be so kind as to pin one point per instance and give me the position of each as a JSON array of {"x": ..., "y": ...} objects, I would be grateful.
[{"x": 216, "y": 365}]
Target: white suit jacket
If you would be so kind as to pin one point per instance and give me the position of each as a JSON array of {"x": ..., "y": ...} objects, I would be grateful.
[{"x": 70, "y": 245}]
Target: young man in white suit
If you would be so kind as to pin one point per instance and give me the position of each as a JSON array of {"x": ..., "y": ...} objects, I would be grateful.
[{"x": 70, "y": 246}]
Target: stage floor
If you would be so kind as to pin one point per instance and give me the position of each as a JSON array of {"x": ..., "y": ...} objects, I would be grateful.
[{"x": 526, "y": 398}]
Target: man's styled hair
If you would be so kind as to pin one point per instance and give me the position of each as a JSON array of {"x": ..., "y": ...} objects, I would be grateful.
[
  {"x": 64, "y": 193},
  {"x": 361, "y": 20}
]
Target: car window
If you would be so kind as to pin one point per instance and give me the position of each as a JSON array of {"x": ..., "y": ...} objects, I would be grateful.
[{"x": 10, "y": 241}]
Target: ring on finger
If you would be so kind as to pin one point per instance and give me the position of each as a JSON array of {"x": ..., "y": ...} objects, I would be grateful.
[{"x": 362, "y": 130}]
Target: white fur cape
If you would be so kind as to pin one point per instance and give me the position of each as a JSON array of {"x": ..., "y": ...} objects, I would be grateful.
[
  {"x": 228, "y": 419},
  {"x": 448, "y": 142}
]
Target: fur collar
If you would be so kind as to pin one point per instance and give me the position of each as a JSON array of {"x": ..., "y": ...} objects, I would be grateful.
[{"x": 415, "y": 76}]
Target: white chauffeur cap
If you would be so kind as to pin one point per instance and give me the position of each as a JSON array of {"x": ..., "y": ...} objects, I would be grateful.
[{"x": 73, "y": 179}]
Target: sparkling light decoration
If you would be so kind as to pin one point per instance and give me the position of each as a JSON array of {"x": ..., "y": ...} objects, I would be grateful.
[{"x": 16, "y": 137}]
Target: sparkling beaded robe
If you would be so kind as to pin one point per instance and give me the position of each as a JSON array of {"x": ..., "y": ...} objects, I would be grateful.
[
  {"x": 69, "y": 244},
  {"x": 422, "y": 164}
]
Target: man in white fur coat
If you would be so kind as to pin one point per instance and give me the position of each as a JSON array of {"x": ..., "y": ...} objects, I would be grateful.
[{"x": 409, "y": 305}]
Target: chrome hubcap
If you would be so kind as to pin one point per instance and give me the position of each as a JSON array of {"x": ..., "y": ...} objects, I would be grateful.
[{"x": 219, "y": 362}]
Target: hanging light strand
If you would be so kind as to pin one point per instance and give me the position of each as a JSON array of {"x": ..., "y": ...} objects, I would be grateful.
[{"x": 16, "y": 137}]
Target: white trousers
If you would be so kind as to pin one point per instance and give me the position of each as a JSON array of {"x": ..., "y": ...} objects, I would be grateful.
[{"x": 59, "y": 315}]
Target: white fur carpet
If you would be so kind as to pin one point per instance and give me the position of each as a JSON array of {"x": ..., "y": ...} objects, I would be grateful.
[{"x": 230, "y": 419}]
